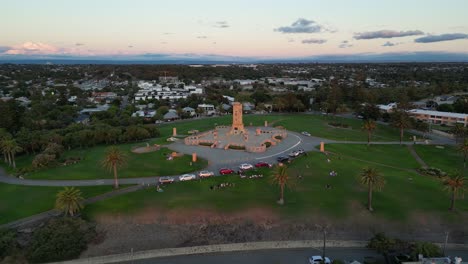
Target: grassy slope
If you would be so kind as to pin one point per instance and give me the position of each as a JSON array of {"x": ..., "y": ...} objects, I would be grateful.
[
  {"x": 447, "y": 159},
  {"x": 405, "y": 191},
  {"x": 22, "y": 201}
]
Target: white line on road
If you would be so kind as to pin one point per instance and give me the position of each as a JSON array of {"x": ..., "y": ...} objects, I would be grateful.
[{"x": 297, "y": 144}]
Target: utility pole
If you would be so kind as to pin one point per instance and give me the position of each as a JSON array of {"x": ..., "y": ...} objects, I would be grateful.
[
  {"x": 323, "y": 229},
  {"x": 446, "y": 240}
]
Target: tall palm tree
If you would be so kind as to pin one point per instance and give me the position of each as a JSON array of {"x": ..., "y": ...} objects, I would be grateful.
[
  {"x": 371, "y": 178},
  {"x": 369, "y": 126},
  {"x": 69, "y": 200},
  {"x": 455, "y": 184},
  {"x": 113, "y": 160},
  {"x": 463, "y": 148},
  {"x": 280, "y": 177},
  {"x": 401, "y": 120}
]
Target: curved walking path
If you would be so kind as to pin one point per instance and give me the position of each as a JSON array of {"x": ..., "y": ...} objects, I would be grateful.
[{"x": 217, "y": 158}]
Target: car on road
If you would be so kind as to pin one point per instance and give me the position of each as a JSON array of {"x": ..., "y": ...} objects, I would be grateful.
[
  {"x": 166, "y": 180},
  {"x": 294, "y": 154},
  {"x": 187, "y": 177},
  {"x": 263, "y": 164},
  {"x": 318, "y": 260},
  {"x": 300, "y": 151},
  {"x": 246, "y": 166},
  {"x": 225, "y": 171},
  {"x": 282, "y": 159},
  {"x": 305, "y": 133},
  {"x": 205, "y": 174}
]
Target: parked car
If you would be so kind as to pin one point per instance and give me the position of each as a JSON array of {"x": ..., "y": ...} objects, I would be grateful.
[
  {"x": 300, "y": 151},
  {"x": 187, "y": 177},
  {"x": 166, "y": 180},
  {"x": 282, "y": 159},
  {"x": 318, "y": 260},
  {"x": 294, "y": 154},
  {"x": 263, "y": 164},
  {"x": 205, "y": 174},
  {"x": 246, "y": 166},
  {"x": 305, "y": 133},
  {"x": 225, "y": 171}
]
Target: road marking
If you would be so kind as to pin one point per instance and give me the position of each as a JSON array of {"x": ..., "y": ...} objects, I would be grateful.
[{"x": 297, "y": 144}]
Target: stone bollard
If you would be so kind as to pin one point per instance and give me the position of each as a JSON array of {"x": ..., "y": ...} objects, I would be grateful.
[
  {"x": 174, "y": 132},
  {"x": 322, "y": 146},
  {"x": 194, "y": 157}
]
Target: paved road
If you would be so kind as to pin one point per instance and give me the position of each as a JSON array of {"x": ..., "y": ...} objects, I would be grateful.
[{"x": 282, "y": 256}]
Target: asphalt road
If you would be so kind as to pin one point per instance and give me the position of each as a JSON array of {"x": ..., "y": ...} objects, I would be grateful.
[{"x": 283, "y": 256}]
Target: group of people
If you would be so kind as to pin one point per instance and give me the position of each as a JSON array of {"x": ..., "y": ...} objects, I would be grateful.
[
  {"x": 332, "y": 173},
  {"x": 253, "y": 176},
  {"x": 222, "y": 185}
]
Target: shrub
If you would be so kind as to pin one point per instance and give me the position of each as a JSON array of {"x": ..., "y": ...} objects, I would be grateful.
[
  {"x": 61, "y": 239},
  {"x": 427, "y": 249},
  {"x": 435, "y": 172},
  {"x": 381, "y": 243},
  {"x": 267, "y": 144},
  {"x": 43, "y": 160},
  {"x": 208, "y": 144},
  {"x": 7, "y": 242},
  {"x": 279, "y": 137},
  {"x": 338, "y": 124},
  {"x": 236, "y": 147}
]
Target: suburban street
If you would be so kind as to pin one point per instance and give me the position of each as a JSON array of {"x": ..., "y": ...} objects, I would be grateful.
[{"x": 283, "y": 256}]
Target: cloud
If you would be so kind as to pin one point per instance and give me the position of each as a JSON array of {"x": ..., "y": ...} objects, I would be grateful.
[
  {"x": 314, "y": 41},
  {"x": 167, "y": 33},
  {"x": 389, "y": 44},
  {"x": 221, "y": 24},
  {"x": 202, "y": 37},
  {"x": 79, "y": 44},
  {"x": 290, "y": 40},
  {"x": 130, "y": 46},
  {"x": 345, "y": 44},
  {"x": 4, "y": 49},
  {"x": 34, "y": 48},
  {"x": 387, "y": 34},
  {"x": 302, "y": 25},
  {"x": 443, "y": 37},
  {"x": 163, "y": 42}
]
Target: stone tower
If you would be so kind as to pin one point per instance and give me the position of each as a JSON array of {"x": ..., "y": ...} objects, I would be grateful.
[{"x": 237, "y": 123}]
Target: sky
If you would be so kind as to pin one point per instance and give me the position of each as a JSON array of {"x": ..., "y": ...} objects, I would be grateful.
[{"x": 240, "y": 28}]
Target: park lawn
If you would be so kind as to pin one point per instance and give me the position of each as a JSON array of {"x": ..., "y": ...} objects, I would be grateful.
[
  {"x": 18, "y": 201},
  {"x": 405, "y": 192},
  {"x": 391, "y": 155},
  {"x": 447, "y": 158},
  {"x": 138, "y": 165},
  {"x": 317, "y": 125}
]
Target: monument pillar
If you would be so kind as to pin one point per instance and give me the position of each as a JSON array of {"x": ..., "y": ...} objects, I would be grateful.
[
  {"x": 194, "y": 157},
  {"x": 174, "y": 131},
  {"x": 322, "y": 146},
  {"x": 266, "y": 123},
  {"x": 237, "y": 123}
]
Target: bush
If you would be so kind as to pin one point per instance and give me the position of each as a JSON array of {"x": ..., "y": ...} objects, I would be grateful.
[
  {"x": 337, "y": 124},
  {"x": 427, "y": 249},
  {"x": 43, "y": 160},
  {"x": 7, "y": 242},
  {"x": 279, "y": 137},
  {"x": 435, "y": 172},
  {"x": 267, "y": 144},
  {"x": 60, "y": 239},
  {"x": 236, "y": 147},
  {"x": 207, "y": 144},
  {"x": 381, "y": 243}
]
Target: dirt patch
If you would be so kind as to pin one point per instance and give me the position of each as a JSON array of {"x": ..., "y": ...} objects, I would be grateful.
[
  {"x": 158, "y": 228},
  {"x": 147, "y": 149}
]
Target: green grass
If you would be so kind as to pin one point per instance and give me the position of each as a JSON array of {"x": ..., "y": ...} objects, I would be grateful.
[
  {"x": 391, "y": 155},
  {"x": 404, "y": 193},
  {"x": 446, "y": 158},
  {"x": 138, "y": 165},
  {"x": 19, "y": 201}
]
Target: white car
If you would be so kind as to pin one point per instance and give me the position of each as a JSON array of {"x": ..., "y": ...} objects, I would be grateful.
[
  {"x": 305, "y": 133},
  {"x": 166, "y": 180},
  {"x": 246, "y": 166},
  {"x": 187, "y": 177},
  {"x": 205, "y": 174},
  {"x": 318, "y": 260}
]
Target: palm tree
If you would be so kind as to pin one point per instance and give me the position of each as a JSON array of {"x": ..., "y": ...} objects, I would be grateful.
[
  {"x": 69, "y": 200},
  {"x": 114, "y": 159},
  {"x": 463, "y": 148},
  {"x": 400, "y": 120},
  {"x": 369, "y": 126},
  {"x": 371, "y": 178},
  {"x": 10, "y": 148},
  {"x": 455, "y": 184},
  {"x": 281, "y": 178}
]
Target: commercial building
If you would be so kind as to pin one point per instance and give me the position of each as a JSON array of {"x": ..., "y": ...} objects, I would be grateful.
[{"x": 437, "y": 117}]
